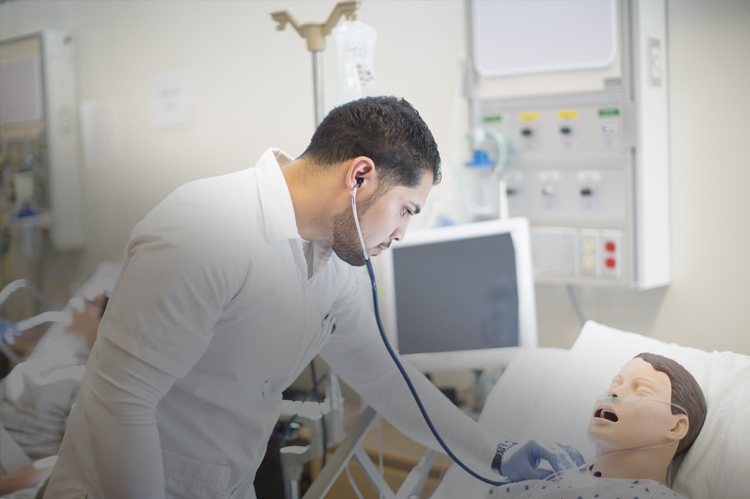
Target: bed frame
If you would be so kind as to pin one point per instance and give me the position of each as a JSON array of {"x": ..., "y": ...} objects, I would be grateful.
[{"x": 350, "y": 448}]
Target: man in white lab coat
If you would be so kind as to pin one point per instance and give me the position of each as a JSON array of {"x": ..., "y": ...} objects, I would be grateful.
[{"x": 230, "y": 287}]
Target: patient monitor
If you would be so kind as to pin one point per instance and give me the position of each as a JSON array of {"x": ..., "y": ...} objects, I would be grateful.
[{"x": 460, "y": 297}]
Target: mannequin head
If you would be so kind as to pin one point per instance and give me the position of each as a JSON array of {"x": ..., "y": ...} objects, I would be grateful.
[
  {"x": 656, "y": 413},
  {"x": 686, "y": 393}
]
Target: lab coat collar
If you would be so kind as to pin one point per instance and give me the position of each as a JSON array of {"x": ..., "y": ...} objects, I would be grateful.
[{"x": 278, "y": 210}]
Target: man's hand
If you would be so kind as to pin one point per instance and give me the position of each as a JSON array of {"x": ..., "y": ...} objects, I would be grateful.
[{"x": 521, "y": 461}]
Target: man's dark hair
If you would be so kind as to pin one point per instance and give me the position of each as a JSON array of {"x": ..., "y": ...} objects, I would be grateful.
[
  {"x": 685, "y": 392},
  {"x": 387, "y": 130}
]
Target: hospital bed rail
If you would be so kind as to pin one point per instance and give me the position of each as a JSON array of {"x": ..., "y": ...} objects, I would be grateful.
[{"x": 49, "y": 315}]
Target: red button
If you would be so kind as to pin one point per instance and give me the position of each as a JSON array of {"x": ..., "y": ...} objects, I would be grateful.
[
  {"x": 610, "y": 263},
  {"x": 609, "y": 246}
]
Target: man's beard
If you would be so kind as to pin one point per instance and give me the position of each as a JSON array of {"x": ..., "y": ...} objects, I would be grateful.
[{"x": 346, "y": 243}]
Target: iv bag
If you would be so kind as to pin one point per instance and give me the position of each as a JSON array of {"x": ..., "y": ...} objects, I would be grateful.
[{"x": 356, "y": 48}]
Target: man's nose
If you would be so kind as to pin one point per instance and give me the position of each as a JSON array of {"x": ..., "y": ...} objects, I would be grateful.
[{"x": 400, "y": 231}]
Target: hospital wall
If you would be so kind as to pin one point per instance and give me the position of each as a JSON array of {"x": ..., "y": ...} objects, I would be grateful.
[{"x": 250, "y": 89}]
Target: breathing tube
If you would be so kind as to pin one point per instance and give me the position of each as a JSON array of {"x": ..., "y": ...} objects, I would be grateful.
[{"x": 393, "y": 355}]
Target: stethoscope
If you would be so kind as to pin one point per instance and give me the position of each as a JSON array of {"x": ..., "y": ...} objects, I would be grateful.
[{"x": 393, "y": 355}]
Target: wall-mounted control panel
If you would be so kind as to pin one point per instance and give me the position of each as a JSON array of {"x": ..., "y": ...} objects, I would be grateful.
[
  {"x": 42, "y": 178},
  {"x": 590, "y": 170}
]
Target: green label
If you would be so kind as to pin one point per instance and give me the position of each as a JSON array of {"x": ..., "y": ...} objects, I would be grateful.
[
  {"x": 489, "y": 119},
  {"x": 612, "y": 111}
]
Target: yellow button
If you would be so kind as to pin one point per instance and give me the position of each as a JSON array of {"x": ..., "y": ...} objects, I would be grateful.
[
  {"x": 530, "y": 116},
  {"x": 567, "y": 114}
]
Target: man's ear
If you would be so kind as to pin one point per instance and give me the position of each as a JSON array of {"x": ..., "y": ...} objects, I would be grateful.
[
  {"x": 680, "y": 428},
  {"x": 361, "y": 174}
]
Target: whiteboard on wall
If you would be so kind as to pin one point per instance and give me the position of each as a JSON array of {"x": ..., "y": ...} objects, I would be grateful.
[{"x": 518, "y": 37}]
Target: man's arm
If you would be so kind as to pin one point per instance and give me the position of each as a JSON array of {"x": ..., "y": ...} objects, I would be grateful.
[
  {"x": 183, "y": 264},
  {"x": 358, "y": 355},
  {"x": 360, "y": 358},
  {"x": 121, "y": 415},
  {"x": 375, "y": 377}
]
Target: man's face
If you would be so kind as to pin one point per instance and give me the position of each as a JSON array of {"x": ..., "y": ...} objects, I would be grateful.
[
  {"x": 383, "y": 218},
  {"x": 623, "y": 425}
]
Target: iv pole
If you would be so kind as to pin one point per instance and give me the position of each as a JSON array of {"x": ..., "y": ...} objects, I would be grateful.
[
  {"x": 315, "y": 34},
  {"x": 293, "y": 458}
]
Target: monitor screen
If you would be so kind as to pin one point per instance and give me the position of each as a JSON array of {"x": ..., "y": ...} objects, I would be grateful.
[
  {"x": 471, "y": 303},
  {"x": 461, "y": 297}
]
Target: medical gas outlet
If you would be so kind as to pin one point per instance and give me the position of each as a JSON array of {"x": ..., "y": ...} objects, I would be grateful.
[
  {"x": 571, "y": 174},
  {"x": 600, "y": 253},
  {"x": 574, "y": 174}
]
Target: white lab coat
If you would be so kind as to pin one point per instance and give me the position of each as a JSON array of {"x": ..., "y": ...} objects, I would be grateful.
[{"x": 214, "y": 300}]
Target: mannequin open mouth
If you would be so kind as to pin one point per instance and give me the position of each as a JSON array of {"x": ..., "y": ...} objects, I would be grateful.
[{"x": 605, "y": 414}]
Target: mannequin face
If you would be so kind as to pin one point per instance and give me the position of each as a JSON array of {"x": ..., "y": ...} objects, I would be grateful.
[{"x": 623, "y": 425}]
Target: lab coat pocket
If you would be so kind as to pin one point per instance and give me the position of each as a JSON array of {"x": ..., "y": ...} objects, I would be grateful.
[
  {"x": 324, "y": 334},
  {"x": 185, "y": 478},
  {"x": 321, "y": 337}
]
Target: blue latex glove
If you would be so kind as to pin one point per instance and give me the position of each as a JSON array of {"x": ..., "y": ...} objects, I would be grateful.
[
  {"x": 521, "y": 462},
  {"x": 9, "y": 331}
]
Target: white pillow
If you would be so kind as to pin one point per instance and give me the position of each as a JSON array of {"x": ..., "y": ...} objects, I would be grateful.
[{"x": 548, "y": 394}]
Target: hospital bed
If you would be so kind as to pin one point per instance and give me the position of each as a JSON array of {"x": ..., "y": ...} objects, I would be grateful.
[
  {"x": 548, "y": 394},
  {"x": 54, "y": 347}
]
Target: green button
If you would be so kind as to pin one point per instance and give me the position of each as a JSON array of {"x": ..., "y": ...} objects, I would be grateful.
[
  {"x": 488, "y": 119},
  {"x": 612, "y": 111}
]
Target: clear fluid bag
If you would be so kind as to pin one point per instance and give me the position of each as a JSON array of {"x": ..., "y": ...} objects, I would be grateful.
[{"x": 356, "y": 49}]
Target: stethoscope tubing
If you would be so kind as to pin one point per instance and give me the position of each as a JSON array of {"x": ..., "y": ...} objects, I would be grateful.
[
  {"x": 413, "y": 390},
  {"x": 394, "y": 356}
]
